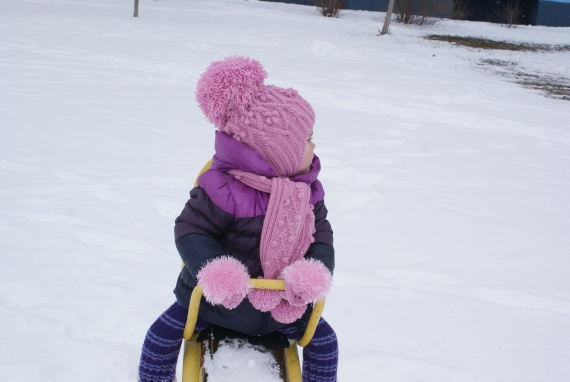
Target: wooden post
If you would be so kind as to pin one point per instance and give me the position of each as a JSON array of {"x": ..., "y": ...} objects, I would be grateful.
[{"x": 136, "y": 8}]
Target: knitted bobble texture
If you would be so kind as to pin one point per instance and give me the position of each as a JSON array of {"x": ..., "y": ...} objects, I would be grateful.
[{"x": 228, "y": 87}]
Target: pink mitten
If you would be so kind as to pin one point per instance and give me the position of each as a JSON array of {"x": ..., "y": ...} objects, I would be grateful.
[
  {"x": 225, "y": 281},
  {"x": 306, "y": 281},
  {"x": 287, "y": 313},
  {"x": 263, "y": 299}
]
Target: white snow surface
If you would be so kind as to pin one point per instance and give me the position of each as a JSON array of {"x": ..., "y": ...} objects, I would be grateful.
[
  {"x": 239, "y": 361},
  {"x": 448, "y": 185}
]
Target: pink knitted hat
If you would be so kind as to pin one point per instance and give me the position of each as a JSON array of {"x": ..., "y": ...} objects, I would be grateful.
[{"x": 273, "y": 121}]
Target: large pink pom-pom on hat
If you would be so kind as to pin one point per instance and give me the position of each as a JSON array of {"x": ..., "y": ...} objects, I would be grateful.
[{"x": 273, "y": 121}]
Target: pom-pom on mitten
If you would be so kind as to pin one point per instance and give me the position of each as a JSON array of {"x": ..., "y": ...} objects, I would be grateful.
[
  {"x": 287, "y": 313},
  {"x": 264, "y": 299},
  {"x": 228, "y": 87},
  {"x": 306, "y": 281},
  {"x": 224, "y": 281}
]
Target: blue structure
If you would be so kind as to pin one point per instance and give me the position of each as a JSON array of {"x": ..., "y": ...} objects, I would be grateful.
[
  {"x": 486, "y": 10},
  {"x": 553, "y": 13},
  {"x": 536, "y": 12}
]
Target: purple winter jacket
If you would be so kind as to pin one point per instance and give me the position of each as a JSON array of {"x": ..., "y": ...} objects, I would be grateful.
[{"x": 225, "y": 217}]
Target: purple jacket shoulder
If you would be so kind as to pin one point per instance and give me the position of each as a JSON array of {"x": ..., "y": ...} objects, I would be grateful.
[{"x": 239, "y": 200}]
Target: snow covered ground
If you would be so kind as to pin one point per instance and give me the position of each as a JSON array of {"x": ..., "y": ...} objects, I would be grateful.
[{"x": 448, "y": 186}]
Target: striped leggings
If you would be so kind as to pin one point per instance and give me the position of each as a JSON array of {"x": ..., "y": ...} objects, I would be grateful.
[{"x": 162, "y": 346}]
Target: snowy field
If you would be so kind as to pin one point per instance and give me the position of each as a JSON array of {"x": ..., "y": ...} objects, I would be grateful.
[{"x": 448, "y": 185}]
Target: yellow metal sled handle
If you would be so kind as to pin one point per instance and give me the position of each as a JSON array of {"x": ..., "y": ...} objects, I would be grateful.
[{"x": 257, "y": 284}]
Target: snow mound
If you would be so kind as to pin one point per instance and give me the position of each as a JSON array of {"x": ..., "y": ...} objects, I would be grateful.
[{"x": 241, "y": 362}]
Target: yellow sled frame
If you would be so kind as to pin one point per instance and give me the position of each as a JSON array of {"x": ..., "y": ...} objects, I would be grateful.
[{"x": 193, "y": 361}]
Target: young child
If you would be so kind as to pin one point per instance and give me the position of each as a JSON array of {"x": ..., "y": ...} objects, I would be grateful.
[{"x": 257, "y": 212}]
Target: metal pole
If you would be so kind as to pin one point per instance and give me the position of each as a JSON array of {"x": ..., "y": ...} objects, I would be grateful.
[{"x": 388, "y": 17}]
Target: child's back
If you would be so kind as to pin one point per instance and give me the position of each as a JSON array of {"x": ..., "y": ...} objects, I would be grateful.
[{"x": 257, "y": 212}]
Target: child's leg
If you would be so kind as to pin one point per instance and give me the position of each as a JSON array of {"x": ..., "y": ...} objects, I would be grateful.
[
  {"x": 162, "y": 345},
  {"x": 320, "y": 356}
]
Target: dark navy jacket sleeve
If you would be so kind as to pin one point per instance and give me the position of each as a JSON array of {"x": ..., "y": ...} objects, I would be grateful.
[
  {"x": 196, "y": 250},
  {"x": 197, "y": 230},
  {"x": 322, "y": 249}
]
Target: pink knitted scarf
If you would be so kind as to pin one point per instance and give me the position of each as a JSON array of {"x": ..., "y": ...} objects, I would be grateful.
[
  {"x": 287, "y": 232},
  {"x": 289, "y": 222}
]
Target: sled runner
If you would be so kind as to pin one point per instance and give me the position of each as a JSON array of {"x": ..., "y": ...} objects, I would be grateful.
[{"x": 195, "y": 348}]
